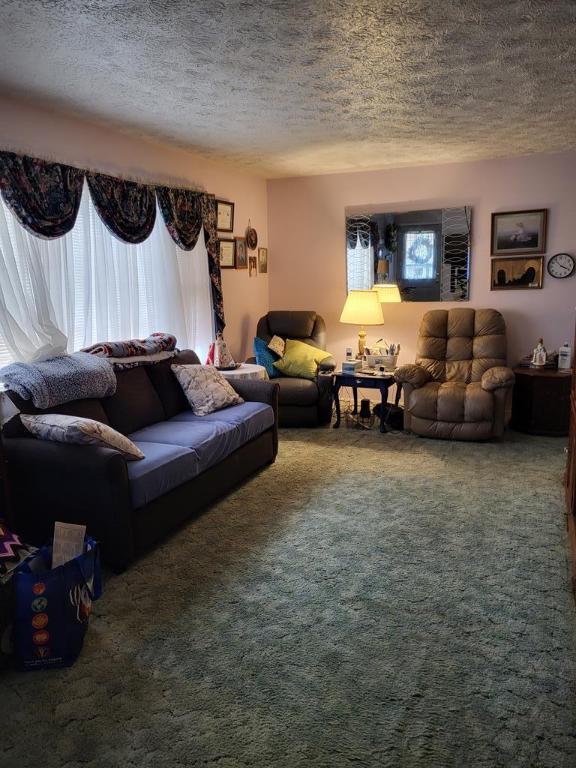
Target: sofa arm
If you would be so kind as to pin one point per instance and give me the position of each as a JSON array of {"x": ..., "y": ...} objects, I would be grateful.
[
  {"x": 499, "y": 377},
  {"x": 257, "y": 391},
  {"x": 412, "y": 374},
  {"x": 81, "y": 484}
]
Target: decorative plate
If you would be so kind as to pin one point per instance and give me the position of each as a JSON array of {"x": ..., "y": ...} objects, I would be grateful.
[{"x": 251, "y": 237}]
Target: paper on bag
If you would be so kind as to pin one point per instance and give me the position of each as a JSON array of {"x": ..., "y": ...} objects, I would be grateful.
[{"x": 68, "y": 542}]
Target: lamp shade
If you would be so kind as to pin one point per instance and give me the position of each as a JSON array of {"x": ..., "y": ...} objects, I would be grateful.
[
  {"x": 362, "y": 308},
  {"x": 388, "y": 293}
]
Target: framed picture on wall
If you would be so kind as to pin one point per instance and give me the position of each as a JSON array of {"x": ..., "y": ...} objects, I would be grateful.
[
  {"x": 518, "y": 272},
  {"x": 224, "y": 216},
  {"x": 515, "y": 232},
  {"x": 226, "y": 251},
  {"x": 263, "y": 260},
  {"x": 241, "y": 261},
  {"x": 252, "y": 266}
]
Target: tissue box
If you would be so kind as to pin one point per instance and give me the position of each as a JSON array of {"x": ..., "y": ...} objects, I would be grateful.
[{"x": 351, "y": 366}]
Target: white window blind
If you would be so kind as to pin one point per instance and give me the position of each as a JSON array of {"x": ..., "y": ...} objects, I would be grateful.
[{"x": 89, "y": 286}]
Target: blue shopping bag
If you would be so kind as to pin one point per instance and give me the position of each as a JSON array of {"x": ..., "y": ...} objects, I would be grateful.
[{"x": 53, "y": 606}]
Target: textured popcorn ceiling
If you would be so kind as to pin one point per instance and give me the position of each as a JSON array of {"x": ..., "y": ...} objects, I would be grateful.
[{"x": 297, "y": 88}]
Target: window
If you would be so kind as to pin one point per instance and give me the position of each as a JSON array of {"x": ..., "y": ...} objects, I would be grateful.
[
  {"x": 419, "y": 256},
  {"x": 89, "y": 286}
]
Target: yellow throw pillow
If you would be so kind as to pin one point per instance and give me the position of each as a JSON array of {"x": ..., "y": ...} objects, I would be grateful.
[{"x": 300, "y": 360}]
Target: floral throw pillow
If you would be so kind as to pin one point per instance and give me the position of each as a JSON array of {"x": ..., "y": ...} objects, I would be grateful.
[
  {"x": 277, "y": 344},
  {"x": 80, "y": 431},
  {"x": 205, "y": 388}
]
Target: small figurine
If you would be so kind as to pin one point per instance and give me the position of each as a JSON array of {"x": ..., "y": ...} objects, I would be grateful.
[
  {"x": 222, "y": 357},
  {"x": 539, "y": 355}
]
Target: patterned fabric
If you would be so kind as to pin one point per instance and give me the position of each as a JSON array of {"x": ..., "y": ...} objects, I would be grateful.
[
  {"x": 12, "y": 552},
  {"x": 266, "y": 357},
  {"x": 182, "y": 215},
  {"x": 60, "y": 380},
  {"x": 80, "y": 431},
  {"x": 301, "y": 360},
  {"x": 205, "y": 388},
  {"x": 127, "y": 209},
  {"x": 277, "y": 344},
  {"x": 44, "y": 197},
  {"x": 152, "y": 345},
  {"x": 208, "y": 208}
]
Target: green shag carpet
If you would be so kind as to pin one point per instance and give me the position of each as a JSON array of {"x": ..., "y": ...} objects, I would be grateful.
[{"x": 370, "y": 600}]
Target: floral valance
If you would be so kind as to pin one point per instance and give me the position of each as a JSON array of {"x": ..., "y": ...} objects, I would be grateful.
[
  {"x": 128, "y": 209},
  {"x": 45, "y": 198}
]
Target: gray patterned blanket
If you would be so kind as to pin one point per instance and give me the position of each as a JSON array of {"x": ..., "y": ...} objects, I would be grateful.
[{"x": 60, "y": 379}]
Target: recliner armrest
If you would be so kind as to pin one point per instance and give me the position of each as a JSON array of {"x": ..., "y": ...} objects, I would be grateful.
[
  {"x": 327, "y": 366},
  {"x": 412, "y": 374},
  {"x": 499, "y": 377}
]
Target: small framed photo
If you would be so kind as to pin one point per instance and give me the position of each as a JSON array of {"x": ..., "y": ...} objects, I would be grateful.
[
  {"x": 516, "y": 232},
  {"x": 226, "y": 251},
  {"x": 252, "y": 266},
  {"x": 263, "y": 260},
  {"x": 241, "y": 261},
  {"x": 518, "y": 272},
  {"x": 224, "y": 216}
]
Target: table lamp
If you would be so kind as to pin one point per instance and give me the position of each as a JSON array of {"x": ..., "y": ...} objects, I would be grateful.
[
  {"x": 362, "y": 308},
  {"x": 388, "y": 293}
]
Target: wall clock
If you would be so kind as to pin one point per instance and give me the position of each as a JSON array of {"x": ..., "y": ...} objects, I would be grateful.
[{"x": 561, "y": 265}]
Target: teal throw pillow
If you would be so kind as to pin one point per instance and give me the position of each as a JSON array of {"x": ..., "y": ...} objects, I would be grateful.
[{"x": 266, "y": 357}]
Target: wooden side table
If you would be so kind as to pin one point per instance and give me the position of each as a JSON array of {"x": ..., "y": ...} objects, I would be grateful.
[
  {"x": 541, "y": 401},
  {"x": 356, "y": 380}
]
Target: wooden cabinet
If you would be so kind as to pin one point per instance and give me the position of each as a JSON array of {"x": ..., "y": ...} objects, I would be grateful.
[{"x": 541, "y": 401}]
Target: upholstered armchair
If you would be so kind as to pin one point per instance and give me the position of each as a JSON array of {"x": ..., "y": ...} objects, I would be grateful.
[
  {"x": 301, "y": 402},
  {"x": 459, "y": 385}
]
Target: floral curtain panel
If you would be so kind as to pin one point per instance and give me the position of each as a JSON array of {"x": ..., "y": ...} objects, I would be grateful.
[
  {"x": 44, "y": 197},
  {"x": 128, "y": 209},
  {"x": 208, "y": 208},
  {"x": 182, "y": 214}
]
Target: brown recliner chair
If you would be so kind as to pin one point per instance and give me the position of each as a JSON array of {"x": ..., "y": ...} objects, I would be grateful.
[
  {"x": 459, "y": 385},
  {"x": 301, "y": 402}
]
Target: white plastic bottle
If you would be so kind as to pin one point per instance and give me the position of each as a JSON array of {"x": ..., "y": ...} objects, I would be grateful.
[{"x": 565, "y": 357}]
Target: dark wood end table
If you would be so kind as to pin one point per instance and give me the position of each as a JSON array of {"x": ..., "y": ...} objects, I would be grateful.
[
  {"x": 364, "y": 381},
  {"x": 541, "y": 401}
]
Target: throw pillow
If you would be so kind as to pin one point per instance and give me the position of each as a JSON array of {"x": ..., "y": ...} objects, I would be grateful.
[
  {"x": 80, "y": 431},
  {"x": 301, "y": 360},
  {"x": 205, "y": 388},
  {"x": 266, "y": 357},
  {"x": 277, "y": 344}
]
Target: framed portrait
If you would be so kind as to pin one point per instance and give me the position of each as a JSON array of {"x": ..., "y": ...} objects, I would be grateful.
[
  {"x": 226, "y": 249},
  {"x": 252, "y": 266},
  {"x": 241, "y": 261},
  {"x": 224, "y": 216},
  {"x": 263, "y": 260},
  {"x": 517, "y": 272},
  {"x": 515, "y": 232}
]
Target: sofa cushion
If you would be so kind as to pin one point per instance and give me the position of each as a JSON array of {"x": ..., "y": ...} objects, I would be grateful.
[
  {"x": 135, "y": 403},
  {"x": 211, "y": 441},
  {"x": 452, "y": 401},
  {"x": 250, "y": 418},
  {"x": 205, "y": 388},
  {"x": 266, "y": 357},
  {"x": 163, "y": 468},
  {"x": 301, "y": 360},
  {"x": 166, "y": 384},
  {"x": 90, "y": 408},
  {"x": 297, "y": 391}
]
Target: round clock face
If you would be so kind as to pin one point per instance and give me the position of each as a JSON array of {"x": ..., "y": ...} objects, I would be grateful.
[{"x": 561, "y": 265}]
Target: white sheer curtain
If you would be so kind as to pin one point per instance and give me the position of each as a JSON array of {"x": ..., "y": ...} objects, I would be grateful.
[{"x": 89, "y": 286}]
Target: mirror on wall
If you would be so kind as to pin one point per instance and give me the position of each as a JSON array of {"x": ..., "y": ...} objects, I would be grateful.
[{"x": 426, "y": 253}]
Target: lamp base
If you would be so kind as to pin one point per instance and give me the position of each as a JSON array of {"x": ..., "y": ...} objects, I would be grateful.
[{"x": 361, "y": 341}]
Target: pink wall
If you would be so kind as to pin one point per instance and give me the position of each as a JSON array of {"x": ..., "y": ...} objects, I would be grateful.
[
  {"x": 307, "y": 249},
  {"x": 58, "y": 136}
]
